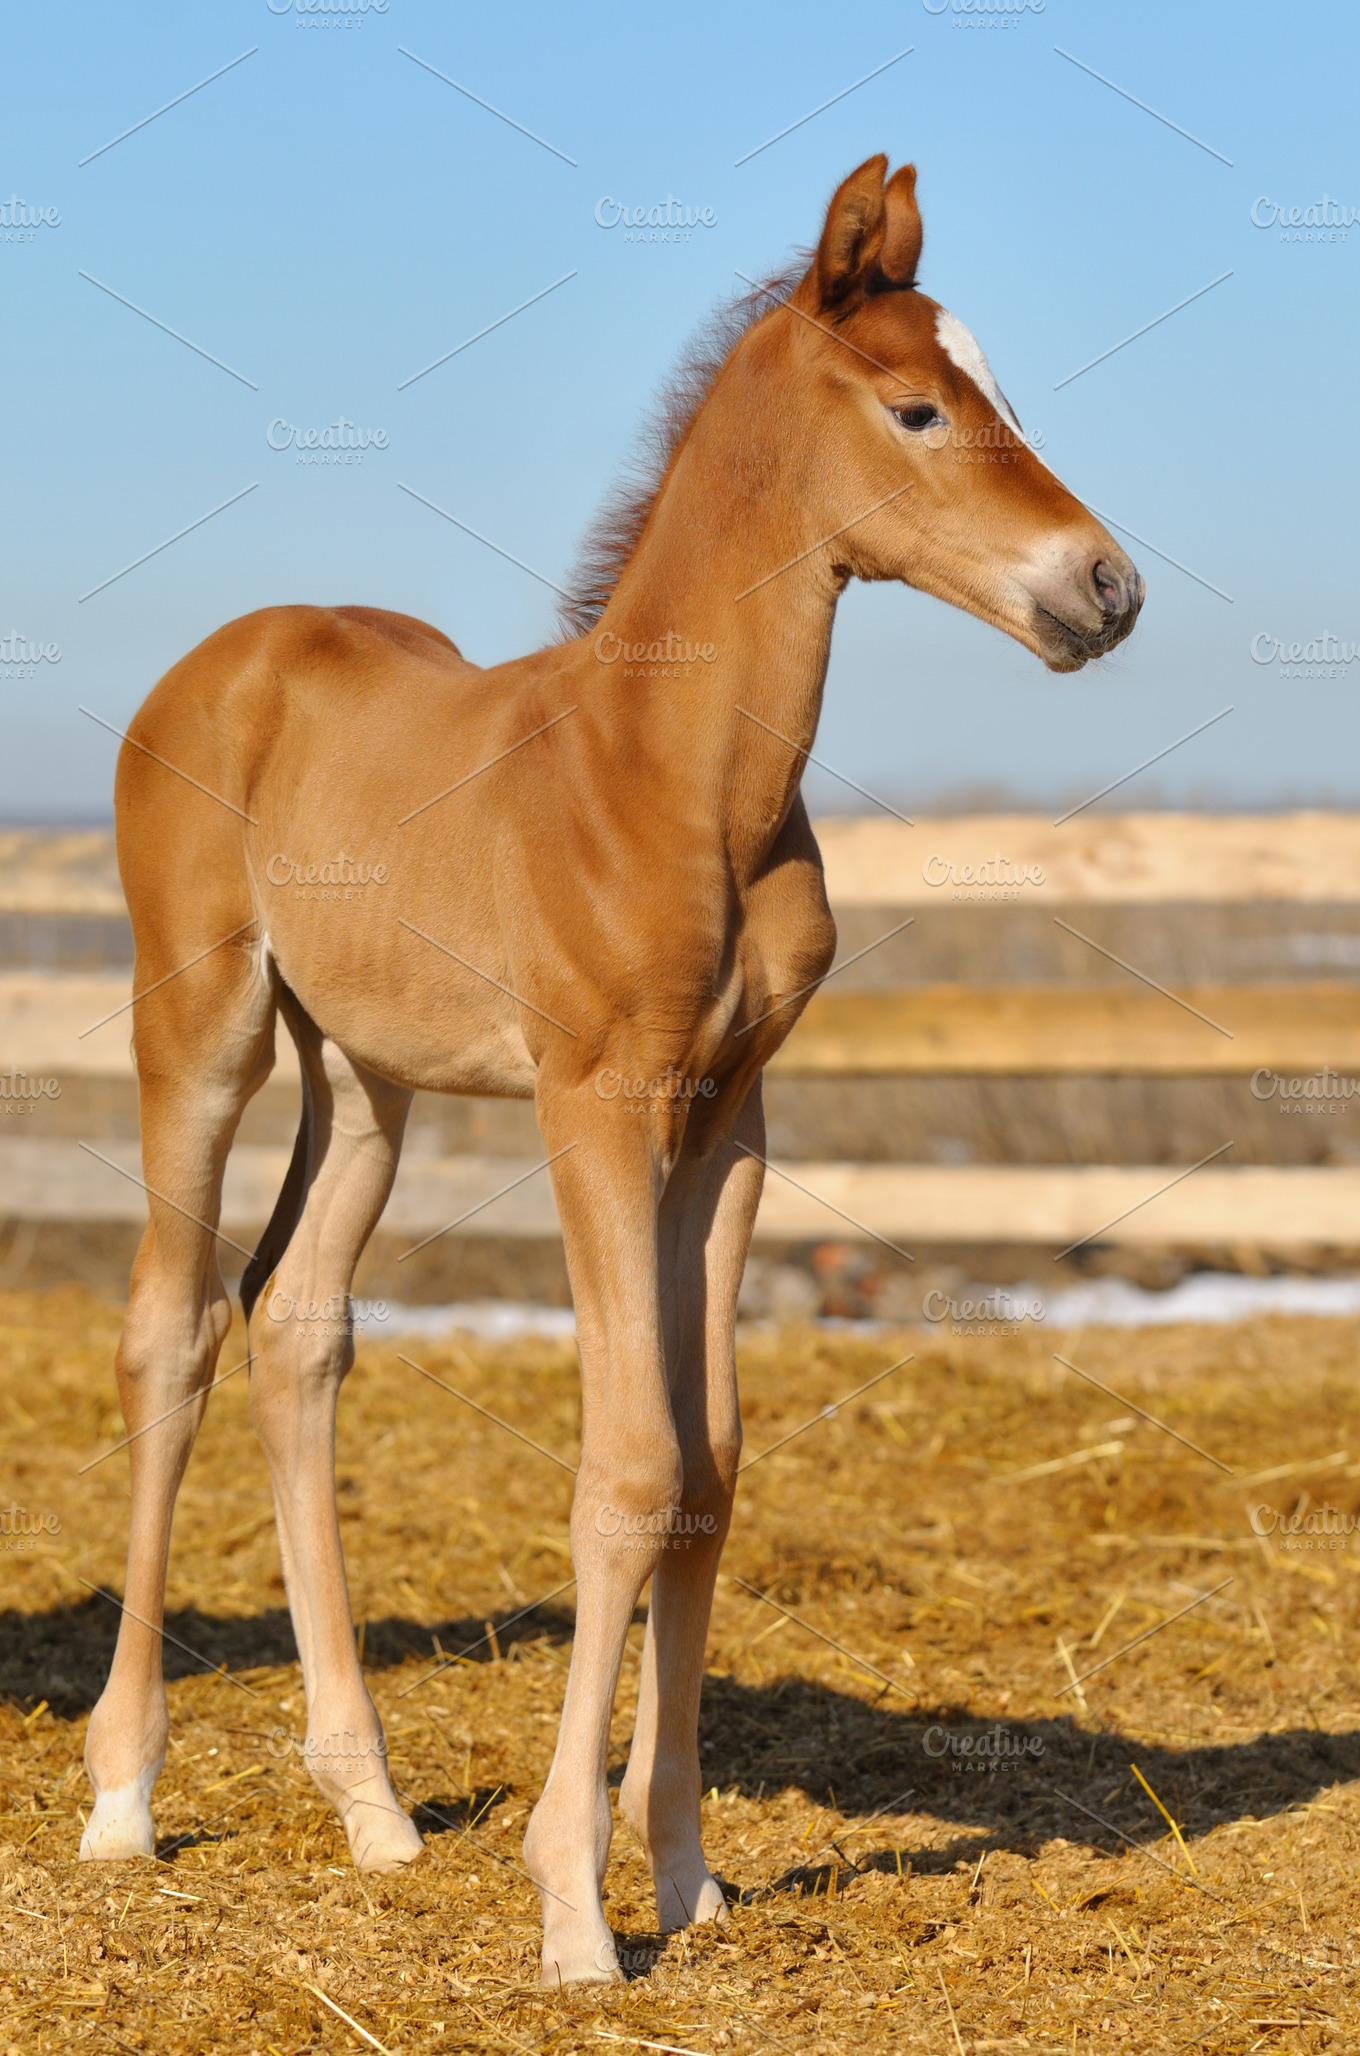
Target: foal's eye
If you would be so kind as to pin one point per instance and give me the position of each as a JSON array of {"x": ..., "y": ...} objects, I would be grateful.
[{"x": 919, "y": 416}]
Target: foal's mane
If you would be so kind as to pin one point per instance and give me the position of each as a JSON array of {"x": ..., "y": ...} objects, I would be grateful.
[{"x": 614, "y": 533}]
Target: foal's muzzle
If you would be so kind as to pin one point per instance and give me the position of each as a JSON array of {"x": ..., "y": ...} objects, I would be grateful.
[{"x": 1087, "y": 608}]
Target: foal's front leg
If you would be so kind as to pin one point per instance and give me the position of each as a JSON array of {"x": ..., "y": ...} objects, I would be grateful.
[
  {"x": 607, "y": 1188},
  {"x": 707, "y": 1216}
]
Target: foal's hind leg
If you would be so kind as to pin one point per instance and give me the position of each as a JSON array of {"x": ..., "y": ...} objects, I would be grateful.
[
  {"x": 204, "y": 1043},
  {"x": 706, "y": 1220},
  {"x": 301, "y": 1334}
]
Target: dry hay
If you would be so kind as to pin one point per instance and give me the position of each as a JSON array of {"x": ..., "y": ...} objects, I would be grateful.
[{"x": 882, "y": 1898}]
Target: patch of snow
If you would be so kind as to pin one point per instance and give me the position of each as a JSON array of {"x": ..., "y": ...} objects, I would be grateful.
[
  {"x": 1207, "y": 1297},
  {"x": 490, "y": 1320}
]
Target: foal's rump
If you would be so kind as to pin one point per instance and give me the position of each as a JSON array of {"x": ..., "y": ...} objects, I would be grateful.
[
  {"x": 277, "y": 853},
  {"x": 263, "y": 789},
  {"x": 250, "y": 718}
]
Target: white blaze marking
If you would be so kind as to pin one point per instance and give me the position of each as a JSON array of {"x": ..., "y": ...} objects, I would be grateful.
[{"x": 962, "y": 348}]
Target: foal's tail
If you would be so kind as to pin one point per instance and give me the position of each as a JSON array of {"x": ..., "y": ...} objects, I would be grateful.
[{"x": 293, "y": 1197}]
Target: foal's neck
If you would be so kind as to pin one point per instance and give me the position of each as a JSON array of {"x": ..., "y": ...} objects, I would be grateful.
[{"x": 720, "y": 569}]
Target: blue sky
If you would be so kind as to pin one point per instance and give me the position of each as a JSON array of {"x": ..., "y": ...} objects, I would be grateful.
[{"x": 327, "y": 217}]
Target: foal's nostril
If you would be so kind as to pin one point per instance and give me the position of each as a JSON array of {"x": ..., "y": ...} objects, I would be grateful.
[{"x": 1110, "y": 590}]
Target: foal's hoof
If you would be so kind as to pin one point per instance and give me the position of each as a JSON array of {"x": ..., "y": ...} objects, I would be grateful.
[
  {"x": 688, "y": 1904},
  {"x": 381, "y": 1837},
  {"x": 120, "y": 1826},
  {"x": 568, "y": 1965}
]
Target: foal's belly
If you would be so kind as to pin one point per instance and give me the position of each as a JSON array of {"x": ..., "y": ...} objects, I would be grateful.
[
  {"x": 432, "y": 1056},
  {"x": 403, "y": 1008}
]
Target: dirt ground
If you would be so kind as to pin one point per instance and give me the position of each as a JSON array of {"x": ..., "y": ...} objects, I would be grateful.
[{"x": 974, "y": 1529}]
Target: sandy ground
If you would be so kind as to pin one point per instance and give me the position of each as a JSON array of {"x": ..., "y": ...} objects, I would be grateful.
[{"x": 970, "y": 1531}]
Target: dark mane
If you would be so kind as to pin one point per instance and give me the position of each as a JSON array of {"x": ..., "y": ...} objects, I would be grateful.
[{"x": 614, "y": 533}]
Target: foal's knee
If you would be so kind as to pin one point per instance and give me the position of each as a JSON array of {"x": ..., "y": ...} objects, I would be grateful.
[
  {"x": 170, "y": 1338},
  {"x": 298, "y": 1366},
  {"x": 710, "y": 1480},
  {"x": 310, "y": 1338},
  {"x": 628, "y": 1494}
]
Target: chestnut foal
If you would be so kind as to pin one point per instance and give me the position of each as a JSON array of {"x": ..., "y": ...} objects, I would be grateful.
[{"x": 633, "y": 888}]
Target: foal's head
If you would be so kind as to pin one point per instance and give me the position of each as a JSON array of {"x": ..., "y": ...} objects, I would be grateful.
[{"x": 896, "y": 394}]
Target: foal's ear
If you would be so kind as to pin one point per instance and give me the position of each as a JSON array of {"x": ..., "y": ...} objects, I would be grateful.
[
  {"x": 853, "y": 234},
  {"x": 901, "y": 251}
]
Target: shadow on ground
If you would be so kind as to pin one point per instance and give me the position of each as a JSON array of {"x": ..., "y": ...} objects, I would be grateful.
[
  {"x": 858, "y": 1756},
  {"x": 1017, "y": 1791},
  {"x": 63, "y": 1656}
]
